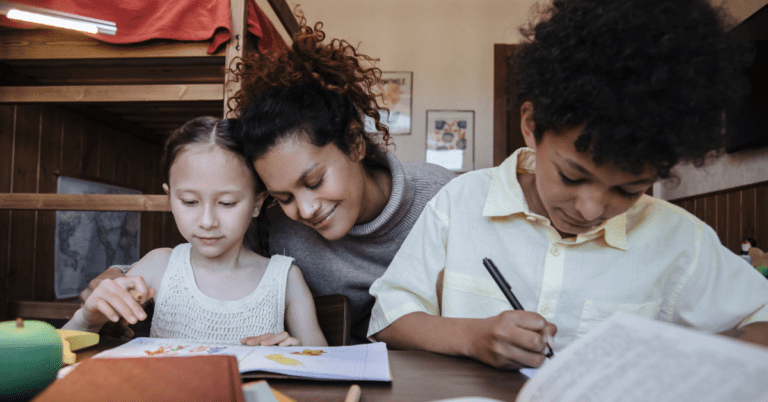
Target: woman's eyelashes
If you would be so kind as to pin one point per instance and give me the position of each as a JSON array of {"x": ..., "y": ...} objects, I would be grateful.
[{"x": 316, "y": 185}]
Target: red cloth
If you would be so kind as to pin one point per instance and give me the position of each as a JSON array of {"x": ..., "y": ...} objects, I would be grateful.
[{"x": 140, "y": 20}]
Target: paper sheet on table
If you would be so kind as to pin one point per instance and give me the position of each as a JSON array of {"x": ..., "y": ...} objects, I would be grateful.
[{"x": 629, "y": 358}]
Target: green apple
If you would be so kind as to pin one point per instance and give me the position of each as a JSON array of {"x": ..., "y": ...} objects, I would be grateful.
[{"x": 30, "y": 358}]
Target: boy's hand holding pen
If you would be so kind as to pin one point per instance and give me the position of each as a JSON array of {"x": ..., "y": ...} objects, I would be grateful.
[{"x": 507, "y": 291}]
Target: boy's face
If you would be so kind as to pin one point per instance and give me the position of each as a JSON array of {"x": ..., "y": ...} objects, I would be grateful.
[{"x": 569, "y": 189}]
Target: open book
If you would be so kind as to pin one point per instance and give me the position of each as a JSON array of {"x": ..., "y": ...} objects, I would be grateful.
[
  {"x": 630, "y": 358},
  {"x": 367, "y": 362}
]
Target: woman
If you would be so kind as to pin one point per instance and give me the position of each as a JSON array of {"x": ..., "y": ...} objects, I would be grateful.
[{"x": 343, "y": 204}]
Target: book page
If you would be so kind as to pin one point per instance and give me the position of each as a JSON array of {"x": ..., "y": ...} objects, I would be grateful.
[
  {"x": 368, "y": 362},
  {"x": 633, "y": 359}
]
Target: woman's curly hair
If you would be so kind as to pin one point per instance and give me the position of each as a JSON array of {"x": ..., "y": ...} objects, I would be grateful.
[
  {"x": 648, "y": 79},
  {"x": 317, "y": 91},
  {"x": 321, "y": 90}
]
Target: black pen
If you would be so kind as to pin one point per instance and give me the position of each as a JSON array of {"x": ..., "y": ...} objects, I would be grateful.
[{"x": 507, "y": 290}]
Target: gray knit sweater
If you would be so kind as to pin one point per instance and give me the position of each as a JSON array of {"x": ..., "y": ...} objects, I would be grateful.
[{"x": 349, "y": 265}]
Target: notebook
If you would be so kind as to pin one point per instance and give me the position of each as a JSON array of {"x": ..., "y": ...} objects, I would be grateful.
[
  {"x": 189, "y": 378},
  {"x": 366, "y": 362}
]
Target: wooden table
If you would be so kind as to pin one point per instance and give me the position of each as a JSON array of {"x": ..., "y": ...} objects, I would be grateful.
[{"x": 416, "y": 376}]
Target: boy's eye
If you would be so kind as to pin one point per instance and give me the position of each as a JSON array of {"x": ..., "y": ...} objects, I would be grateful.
[
  {"x": 627, "y": 194},
  {"x": 228, "y": 204},
  {"x": 316, "y": 185},
  {"x": 188, "y": 202},
  {"x": 568, "y": 180}
]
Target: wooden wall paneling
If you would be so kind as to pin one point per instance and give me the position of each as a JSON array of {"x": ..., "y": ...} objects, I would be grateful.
[
  {"x": 122, "y": 160},
  {"x": 7, "y": 123},
  {"x": 721, "y": 200},
  {"x": 50, "y": 162},
  {"x": 71, "y": 143},
  {"x": 21, "y": 270},
  {"x": 734, "y": 222},
  {"x": 90, "y": 153},
  {"x": 710, "y": 216},
  {"x": 107, "y": 160},
  {"x": 747, "y": 210},
  {"x": 700, "y": 208},
  {"x": 761, "y": 216}
]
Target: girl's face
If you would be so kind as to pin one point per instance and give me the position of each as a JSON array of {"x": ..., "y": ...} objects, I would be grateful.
[
  {"x": 320, "y": 187},
  {"x": 212, "y": 199},
  {"x": 570, "y": 189}
]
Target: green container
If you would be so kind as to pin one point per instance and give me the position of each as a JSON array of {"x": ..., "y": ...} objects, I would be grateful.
[{"x": 30, "y": 358}]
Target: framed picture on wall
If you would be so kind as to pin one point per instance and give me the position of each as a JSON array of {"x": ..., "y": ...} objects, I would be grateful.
[
  {"x": 451, "y": 139},
  {"x": 395, "y": 89}
]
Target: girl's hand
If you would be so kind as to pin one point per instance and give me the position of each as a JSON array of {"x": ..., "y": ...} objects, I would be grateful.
[
  {"x": 111, "y": 300},
  {"x": 281, "y": 339},
  {"x": 512, "y": 339}
]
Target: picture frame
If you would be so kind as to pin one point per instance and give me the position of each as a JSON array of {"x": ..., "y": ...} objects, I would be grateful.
[
  {"x": 395, "y": 92},
  {"x": 451, "y": 139}
]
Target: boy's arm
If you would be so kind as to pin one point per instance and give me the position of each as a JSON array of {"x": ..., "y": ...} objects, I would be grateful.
[
  {"x": 407, "y": 310},
  {"x": 512, "y": 339},
  {"x": 756, "y": 332}
]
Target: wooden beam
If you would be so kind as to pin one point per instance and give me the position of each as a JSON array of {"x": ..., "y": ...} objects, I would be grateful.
[
  {"x": 111, "y": 93},
  {"x": 43, "y": 310},
  {"x": 85, "y": 202},
  {"x": 285, "y": 15},
  {"x": 235, "y": 48},
  {"x": 35, "y": 44}
]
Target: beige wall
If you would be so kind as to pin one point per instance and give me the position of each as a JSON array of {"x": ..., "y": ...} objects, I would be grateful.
[{"x": 448, "y": 44}]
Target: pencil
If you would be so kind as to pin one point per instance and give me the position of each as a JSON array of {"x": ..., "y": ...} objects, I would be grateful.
[
  {"x": 136, "y": 295},
  {"x": 507, "y": 291},
  {"x": 353, "y": 395}
]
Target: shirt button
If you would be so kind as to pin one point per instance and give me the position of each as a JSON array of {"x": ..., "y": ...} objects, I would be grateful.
[
  {"x": 555, "y": 251},
  {"x": 545, "y": 310}
]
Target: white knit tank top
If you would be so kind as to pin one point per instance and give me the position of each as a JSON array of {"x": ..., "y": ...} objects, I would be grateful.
[{"x": 182, "y": 311}]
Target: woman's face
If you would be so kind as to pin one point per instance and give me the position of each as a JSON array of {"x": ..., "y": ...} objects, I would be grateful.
[{"x": 320, "y": 187}]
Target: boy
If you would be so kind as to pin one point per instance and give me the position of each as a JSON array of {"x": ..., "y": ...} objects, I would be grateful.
[{"x": 613, "y": 95}]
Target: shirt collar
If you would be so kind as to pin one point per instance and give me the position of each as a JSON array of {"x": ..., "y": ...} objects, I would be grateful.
[{"x": 505, "y": 198}]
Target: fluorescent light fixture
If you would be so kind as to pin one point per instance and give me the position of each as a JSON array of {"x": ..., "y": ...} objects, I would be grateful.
[{"x": 56, "y": 18}]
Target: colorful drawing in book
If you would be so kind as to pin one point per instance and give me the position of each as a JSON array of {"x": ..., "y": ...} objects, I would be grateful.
[
  {"x": 278, "y": 358},
  {"x": 309, "y": 352}
]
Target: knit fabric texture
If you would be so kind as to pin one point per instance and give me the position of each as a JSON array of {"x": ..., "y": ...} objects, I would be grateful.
[
  {"x": 349, "y": 266},
  {"x": 182, "y": 311}
]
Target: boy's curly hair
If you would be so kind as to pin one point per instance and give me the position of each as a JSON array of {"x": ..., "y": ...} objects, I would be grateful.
[
  {"x": 648, "y": 79},
  {"x": 321, "y": 90}
]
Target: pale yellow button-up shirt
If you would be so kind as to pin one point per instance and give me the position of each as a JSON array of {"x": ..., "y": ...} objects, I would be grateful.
[{"x": 656, "y": 260}]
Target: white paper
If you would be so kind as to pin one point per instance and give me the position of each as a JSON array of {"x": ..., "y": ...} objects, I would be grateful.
[
  {"x": 368, "y": 362},
  {"x": 633, "y": 359}
]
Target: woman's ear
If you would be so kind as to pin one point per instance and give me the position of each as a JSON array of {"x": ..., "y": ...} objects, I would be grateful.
[
  {"x": 358, "y": 150},
  {"x": 527, "y": 126},
  {"x": 259, "y": 202},
  {"x": 167, "y": 190}
]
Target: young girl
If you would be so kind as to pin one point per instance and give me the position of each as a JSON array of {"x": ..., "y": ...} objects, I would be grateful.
[{"x": 211, "y": 288}]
